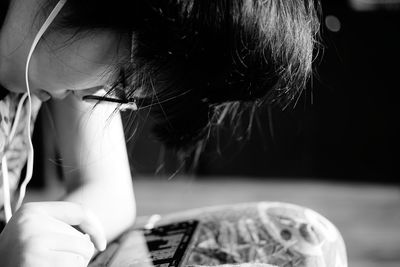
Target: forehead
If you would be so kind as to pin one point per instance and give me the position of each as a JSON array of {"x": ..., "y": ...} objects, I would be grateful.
[
  {"x": 93, "y": 46},
  {"x": 98, "y": 54},
  {"x": 98, "y": 46}
]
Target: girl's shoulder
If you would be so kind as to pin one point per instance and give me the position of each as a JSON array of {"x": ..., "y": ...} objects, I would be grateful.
[
  {"x": 13, "y": 142},
  {"x": 5, "y": 120},
  {"x": 8, "y": 110}
]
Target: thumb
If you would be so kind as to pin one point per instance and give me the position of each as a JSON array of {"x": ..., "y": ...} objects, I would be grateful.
[
  {"x": 92, "y": 226},
  {"x": 77, "y": 215}
]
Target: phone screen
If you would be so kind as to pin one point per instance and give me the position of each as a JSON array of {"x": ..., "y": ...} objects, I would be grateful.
[
  {"x": 167, "y": 244},
  {"x": 162, "y": 246}
]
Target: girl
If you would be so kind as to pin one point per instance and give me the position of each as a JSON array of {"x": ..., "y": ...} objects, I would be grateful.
[{"x": 189, "y": 62}]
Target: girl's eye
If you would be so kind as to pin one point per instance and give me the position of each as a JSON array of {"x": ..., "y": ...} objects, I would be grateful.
[
  {"x": 119, "y": 92},
  {"x": 97, "y": 90}
]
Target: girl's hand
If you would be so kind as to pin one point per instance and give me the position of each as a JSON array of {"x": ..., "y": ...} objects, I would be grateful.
[{"x": 41, "y": 234}]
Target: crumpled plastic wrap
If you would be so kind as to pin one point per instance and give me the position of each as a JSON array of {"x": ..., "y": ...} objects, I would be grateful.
[
  {"x": 264, "y": 234},
  {"x": 275, "y": 233}
]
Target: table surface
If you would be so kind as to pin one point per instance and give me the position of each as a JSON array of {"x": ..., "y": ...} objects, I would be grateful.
[{"x": 368, "y": 216}]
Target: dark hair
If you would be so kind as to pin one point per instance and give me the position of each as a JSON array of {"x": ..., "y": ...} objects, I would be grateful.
[{"x": 199, "y": 59}]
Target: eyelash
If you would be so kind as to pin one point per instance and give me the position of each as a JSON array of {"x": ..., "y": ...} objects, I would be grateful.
[
  {"x": 120, "y": 80},
  {"x": 114, "y": 93}
]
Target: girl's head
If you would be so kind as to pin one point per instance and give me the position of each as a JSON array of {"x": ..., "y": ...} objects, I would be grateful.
[
  {"x": 194, "y": 60},
  {"x": 59, "y": 64}
]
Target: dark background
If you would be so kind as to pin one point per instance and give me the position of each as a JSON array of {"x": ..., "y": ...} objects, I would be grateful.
[{"x": 344, "y": 127}]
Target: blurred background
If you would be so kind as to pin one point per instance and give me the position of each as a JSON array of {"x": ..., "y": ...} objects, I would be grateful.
[{"x": 334, "y": 151}]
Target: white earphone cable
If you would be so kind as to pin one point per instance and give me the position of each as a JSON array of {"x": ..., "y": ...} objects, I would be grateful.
[
  {"x": 17, "y": 116},
  {"x": 39, "y": 35},
  {"x": 4, "y": 163},
  {"x": 6, "y": 189}
]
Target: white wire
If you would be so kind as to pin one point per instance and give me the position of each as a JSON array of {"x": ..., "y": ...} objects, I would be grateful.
[
  {"x": 6, "y": 189},
  {"x": 4, "y": 163},
  {"x": 39, "y": 35},
  {"x": 16, "y": 117}
]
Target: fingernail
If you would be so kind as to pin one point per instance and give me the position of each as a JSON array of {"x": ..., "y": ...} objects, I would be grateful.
[{"x": 103, "y": 246}]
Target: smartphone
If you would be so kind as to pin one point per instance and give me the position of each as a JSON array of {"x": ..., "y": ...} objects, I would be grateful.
[
  {"x": 168, "y": 244},
  {"x": 162, "y": 246}
]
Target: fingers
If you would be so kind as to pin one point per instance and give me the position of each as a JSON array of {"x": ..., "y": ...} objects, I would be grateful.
[
  {"x": 81, "y": 246},
  {"x": 73, "y": 214},
  {"x": 52, "y": 225},
  {"x": 47, "y": 250},
  {"x": 93, "y": 228},
  {"x": 66, "y": 259}
]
